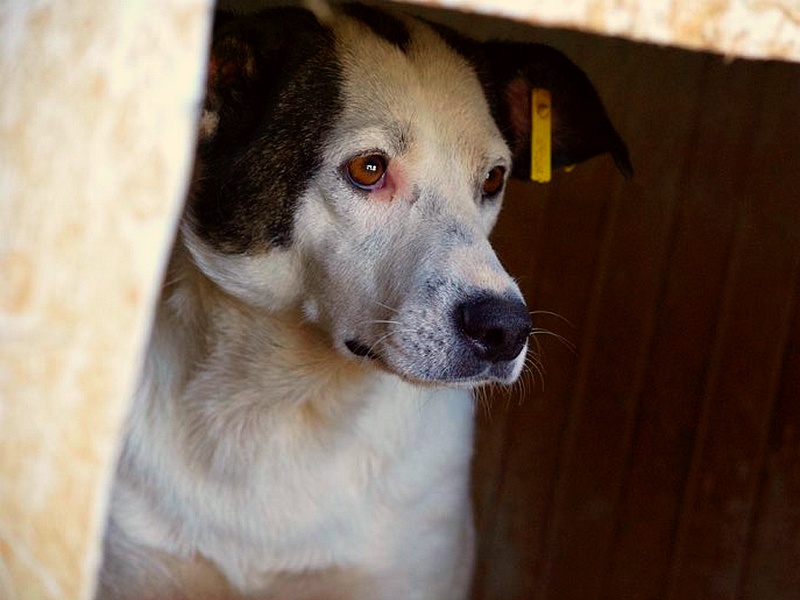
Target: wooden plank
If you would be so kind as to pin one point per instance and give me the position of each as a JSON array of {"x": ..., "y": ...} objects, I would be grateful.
[
  {"x": 713, "y": 534},
  {"x": 614, "y": 356},
  {"x": 773, "y": 564},
  {"x": 662, "y": 446}
]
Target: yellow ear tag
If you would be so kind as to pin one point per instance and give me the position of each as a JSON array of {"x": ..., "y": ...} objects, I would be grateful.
[{"x": 540, "y": 135}]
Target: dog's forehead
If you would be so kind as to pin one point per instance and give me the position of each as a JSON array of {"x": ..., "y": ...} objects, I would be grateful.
[{"x": 401, "y": 76}]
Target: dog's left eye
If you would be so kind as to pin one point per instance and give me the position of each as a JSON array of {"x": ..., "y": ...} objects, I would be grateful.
[
  {"x": 494, "y": 181},
  {"x": 366, "y": 172}
]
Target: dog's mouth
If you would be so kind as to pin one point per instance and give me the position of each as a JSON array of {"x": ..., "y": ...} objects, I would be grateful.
[
  {"x": 361, "y": 350},
  {"x": 502, "y": 372}
]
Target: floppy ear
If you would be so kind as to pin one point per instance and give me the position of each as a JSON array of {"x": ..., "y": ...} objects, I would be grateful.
[
  {"x": 232, "y": 80},
  {"x": 581, "y": 128},
  {"x": 251, "y": 62},
  {"x": 272, "y": 93}
]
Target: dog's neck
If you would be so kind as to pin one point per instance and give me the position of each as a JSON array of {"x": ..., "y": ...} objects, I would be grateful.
[
  {"x": 228, "y": 367},
  {"x": 288, "y": 355}
]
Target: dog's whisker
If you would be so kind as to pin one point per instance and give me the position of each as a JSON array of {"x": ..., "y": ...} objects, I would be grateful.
[
  {"x": 174, "y": 280},
  {"x": 386, "y": 306},
  {"x": 534, "y": 368},
  {"x": 482, "y": 400},
  {"x": 520, "y": 387},
  {"x": 541, "y": 332},
  {"x": 486, "y": 395},
  {"x": 549, "y": 313},
  {"x": 378, "y": 322},
  {"x": 538, "y": 349},
  {"x": 387, "y": 335}
]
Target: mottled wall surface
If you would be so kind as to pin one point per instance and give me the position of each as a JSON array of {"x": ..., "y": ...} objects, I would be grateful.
[
  {"x": 744, "y": 28},
  {"x": 96, "y": 133}
]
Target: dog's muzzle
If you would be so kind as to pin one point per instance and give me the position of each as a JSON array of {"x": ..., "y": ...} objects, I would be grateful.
[
  {"x": 495, "y": 327},
  {"x": 479, "y": 339}
]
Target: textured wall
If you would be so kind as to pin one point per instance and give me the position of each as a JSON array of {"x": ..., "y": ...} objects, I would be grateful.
[
  {"x": 96, "y": 129},
  {"x": 744, "y": 28}
]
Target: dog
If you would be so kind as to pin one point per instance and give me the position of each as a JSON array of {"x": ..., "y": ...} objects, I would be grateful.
[{"x": 303, "y": 423}]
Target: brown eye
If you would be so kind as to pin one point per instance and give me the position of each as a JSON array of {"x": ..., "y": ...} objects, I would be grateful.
[
  {"x": 366, "y": 172},
  {"x": 494, "y": 181}
]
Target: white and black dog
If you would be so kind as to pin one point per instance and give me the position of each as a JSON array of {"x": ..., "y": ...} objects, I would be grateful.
[{"x": 303, "y": 423}]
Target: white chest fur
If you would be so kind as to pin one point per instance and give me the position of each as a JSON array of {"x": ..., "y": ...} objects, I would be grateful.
[{"x": 273, "y": 456}]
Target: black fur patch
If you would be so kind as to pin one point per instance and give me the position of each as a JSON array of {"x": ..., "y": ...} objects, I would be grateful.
[
  {"x": 383, "y": 24},
  {"x": 273, "y": 126}
]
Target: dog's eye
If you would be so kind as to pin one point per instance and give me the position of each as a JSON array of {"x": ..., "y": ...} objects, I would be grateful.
[
  {"x": 366, "y": 172},
  {"x": 494, "y": 181}
]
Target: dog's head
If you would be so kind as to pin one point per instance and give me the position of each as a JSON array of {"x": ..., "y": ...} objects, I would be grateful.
[{"x": 354, "y": 168}]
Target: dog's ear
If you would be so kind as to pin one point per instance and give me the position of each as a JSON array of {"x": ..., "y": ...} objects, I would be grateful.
[
  {"x": 231, "y": 80},
  {"x": 581, "y": 128},
  {"x": 251, "y": 60}
]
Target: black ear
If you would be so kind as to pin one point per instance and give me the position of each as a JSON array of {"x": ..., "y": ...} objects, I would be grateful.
[
  {"x": 273, "y": 91},
  {"x": 581, "y": 128},
  {"x": 231, "y": 80},
  {"x": 251, "y": 62}
]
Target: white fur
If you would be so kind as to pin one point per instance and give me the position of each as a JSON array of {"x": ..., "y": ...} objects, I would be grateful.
[{"x": 262, "y": 458}]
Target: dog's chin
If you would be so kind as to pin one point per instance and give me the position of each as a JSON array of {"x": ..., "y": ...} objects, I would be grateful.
[{"x": 470, "y": 375}]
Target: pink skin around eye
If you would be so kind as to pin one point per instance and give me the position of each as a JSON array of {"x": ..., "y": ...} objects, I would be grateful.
[{"x": 392, "y": 187}]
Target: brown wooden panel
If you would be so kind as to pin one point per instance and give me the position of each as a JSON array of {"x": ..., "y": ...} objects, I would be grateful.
[
  {"x": 773, "y": 563},
  {"x": 732, "y": 433},
  {"x": 637, "y": 470},
  {"x": 685, "y": 336},
  {"x": 619, "y": 329}
]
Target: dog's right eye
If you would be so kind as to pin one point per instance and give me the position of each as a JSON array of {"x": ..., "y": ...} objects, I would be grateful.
[
  {"x": 494, "y": 181},
  {"x": 367, "y": 172}
]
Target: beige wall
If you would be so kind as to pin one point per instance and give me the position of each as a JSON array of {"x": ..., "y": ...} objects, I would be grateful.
[
  {"x": 96, "y": 129},
  {"x": 735, "y": 28}
]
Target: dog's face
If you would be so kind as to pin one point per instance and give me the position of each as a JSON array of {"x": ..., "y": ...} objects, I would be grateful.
[{"x": 354, "y": 169}]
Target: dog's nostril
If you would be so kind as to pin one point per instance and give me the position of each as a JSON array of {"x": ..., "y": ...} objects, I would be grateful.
[{"x": 497, "y": 327}]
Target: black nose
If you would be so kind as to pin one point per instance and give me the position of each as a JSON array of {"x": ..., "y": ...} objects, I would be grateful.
[{"x": 497, "y": 327}]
